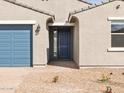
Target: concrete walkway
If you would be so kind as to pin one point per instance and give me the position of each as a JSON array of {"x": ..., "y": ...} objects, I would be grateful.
[
  {"x": 10, "y": 78},
  {"x": 65, "y": 64}
]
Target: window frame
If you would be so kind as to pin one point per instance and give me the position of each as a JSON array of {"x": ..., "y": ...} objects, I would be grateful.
[{"x": 116, "y": 20}]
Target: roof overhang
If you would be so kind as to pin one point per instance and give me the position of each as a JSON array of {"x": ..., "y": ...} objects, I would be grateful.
[
  {"x": 61, "y": 24},
  {"x": 29, "y": 7}
]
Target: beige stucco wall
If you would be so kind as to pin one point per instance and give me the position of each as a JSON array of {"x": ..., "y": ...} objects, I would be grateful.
[
  {"x": 92, "y": 39},
  {"x": 9, "y": 11},
  {"x": 95, "y": 36},
  {"x": 60, "y": 8},
  {"x": 61, "y": 11}
]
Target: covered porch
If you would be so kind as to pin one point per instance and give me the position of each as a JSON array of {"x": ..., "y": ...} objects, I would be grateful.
[{"x": 63, "y": 43}]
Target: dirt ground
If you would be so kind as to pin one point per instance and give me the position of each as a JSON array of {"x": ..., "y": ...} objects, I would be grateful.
[
  {"x": 10, "y": 78},
  {"x": 55, "y": 79}
]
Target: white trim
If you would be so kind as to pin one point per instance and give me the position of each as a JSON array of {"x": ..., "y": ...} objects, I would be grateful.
[
  {"x": 17, "y": 22},
  {"x": 61, "y": 24},
  {"x": 115, "y": 18},
  {"x": 118, "y": 49},
  {"x": 117, "y": 33},
  {"x": 117, "y": 23}
]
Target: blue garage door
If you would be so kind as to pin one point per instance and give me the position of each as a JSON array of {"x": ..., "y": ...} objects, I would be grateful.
[{"x": 15, "y": 45}]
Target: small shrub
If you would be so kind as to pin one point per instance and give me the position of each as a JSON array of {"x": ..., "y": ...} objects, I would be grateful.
[
  {"x": 55, "y": 79},
  {"x": 104, "y": 78}
]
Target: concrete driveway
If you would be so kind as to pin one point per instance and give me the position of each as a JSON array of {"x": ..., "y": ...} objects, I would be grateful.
[{"x": 10, "y": 78}]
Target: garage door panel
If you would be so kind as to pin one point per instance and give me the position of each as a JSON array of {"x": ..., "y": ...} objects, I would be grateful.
[
  {"x": 5, "y": 44},
  {"x": 21, "y": 49},
  {"x": 5, "y": 54},
  {"x": 19, "y": 54},
  {"x": 21, "y": 45},
  {"x": 5, "y": 33},
  {"x": 21, "y": 61},
  {"x": 5, "y": 65},
  {"x": 21, "y": 37},
  {"x": 20, "y": 65},
  {"x": 7, "y": 48},
  {"x": 5, "y": 61},
  {"x": 22, "y": 57},
  {"x": 22, "y": 41},
  {"x": 21, "y": 32},
  {"x": 6, "y": 37},
  {"x": 15, "y": 45}
]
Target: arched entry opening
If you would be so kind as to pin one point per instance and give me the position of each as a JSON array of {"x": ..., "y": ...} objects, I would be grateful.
[
  {"x": 49, "y": 21},
  {"x": 61, "y": 43}
]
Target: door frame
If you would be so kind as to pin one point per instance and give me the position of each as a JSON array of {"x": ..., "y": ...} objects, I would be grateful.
[{"x": 51, "y": 30}]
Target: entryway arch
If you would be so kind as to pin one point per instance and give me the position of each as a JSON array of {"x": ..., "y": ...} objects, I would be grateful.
[
  {"x": 62, "y": 40},
  {"x": 49, "y": 21},
  {"x": 76, "y": 32}
]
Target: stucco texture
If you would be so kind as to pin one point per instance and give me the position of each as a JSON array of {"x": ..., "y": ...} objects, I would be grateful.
[
  {"x": 60, "y": 9},
  {"x": 95, "y": 36},
  {"x": 40, "y": 42}
]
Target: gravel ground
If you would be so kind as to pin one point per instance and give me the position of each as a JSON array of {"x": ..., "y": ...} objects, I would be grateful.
[{"x": 69, "y": 80}]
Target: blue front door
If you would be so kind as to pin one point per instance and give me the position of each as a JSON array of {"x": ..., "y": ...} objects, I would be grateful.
[
  {"x": 64, "y": 43},
  {"x": 15, "y": 45}
]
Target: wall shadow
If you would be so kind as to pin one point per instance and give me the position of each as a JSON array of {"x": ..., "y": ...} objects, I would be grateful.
[{"x": 64, "y": 63}]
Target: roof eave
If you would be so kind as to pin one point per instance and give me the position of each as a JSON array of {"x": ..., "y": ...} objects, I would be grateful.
[
  {"x": 85, "y": 2},
  {"x": 29, "y": 7}
]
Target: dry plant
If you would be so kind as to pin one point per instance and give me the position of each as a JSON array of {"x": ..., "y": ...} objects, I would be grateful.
[
  {"x": 123, "y": 73},
  {"x": 105, "y": 78},
  {"x": 55, "y": 79}
]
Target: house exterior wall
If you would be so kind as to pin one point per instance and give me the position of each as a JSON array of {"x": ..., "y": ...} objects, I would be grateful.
[
  {"x": 40, "y": 41},
  {"x": 60, "y": 9},
  {"x": 92, "y": 35},
  {"x": 95, "y": 36}
]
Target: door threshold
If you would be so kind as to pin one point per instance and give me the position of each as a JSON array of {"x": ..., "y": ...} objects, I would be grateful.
[{"x": 62, "y": 60}]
